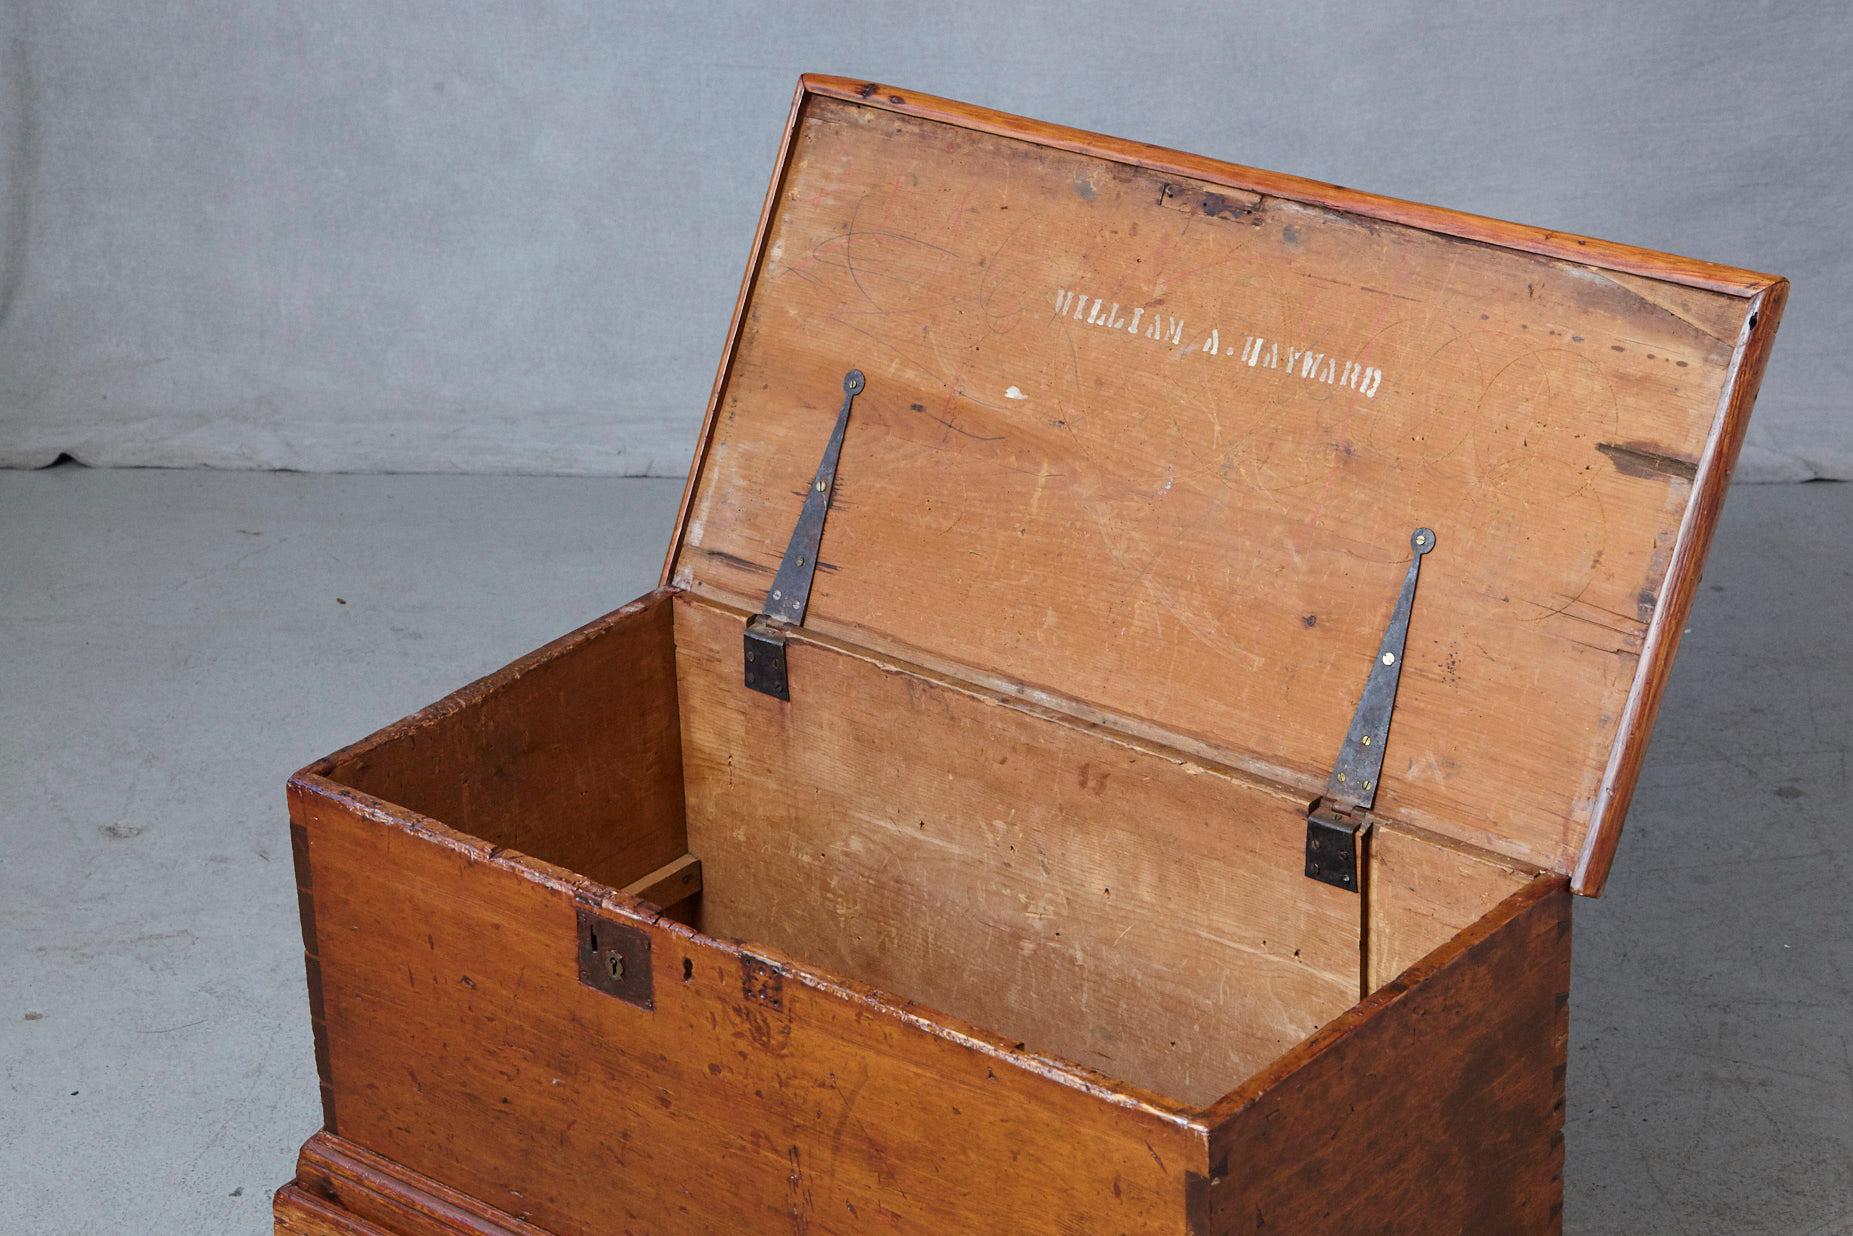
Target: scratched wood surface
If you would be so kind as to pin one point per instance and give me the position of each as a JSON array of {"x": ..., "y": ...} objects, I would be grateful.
[
  {"x": 1155, "y": 444},
  {"x": 1435, "y": 1106},
  {"x": 1113, "y": 905},
  {"x": 750, "y": 1098}
]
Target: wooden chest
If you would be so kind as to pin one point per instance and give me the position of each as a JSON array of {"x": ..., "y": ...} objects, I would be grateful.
[{"x": 1006, "y": 853}]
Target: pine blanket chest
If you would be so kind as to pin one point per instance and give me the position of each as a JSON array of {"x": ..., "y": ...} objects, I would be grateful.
[{"x": 1149, "y": 652}]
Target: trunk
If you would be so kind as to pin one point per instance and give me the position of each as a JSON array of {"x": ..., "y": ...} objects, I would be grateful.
[{"x": 940, "y": 990}]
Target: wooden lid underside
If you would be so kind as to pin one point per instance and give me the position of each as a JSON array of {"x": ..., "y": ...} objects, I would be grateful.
[{"x": 1151, "y": 433}]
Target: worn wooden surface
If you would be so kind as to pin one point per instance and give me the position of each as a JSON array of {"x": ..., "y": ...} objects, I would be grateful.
[
  {"x": 297, "y": 1212},
  {"x": 335, "y": 1177},
  {"x": 572, "y": 754},
  {"x": 1142, "y": 916},
  {"x": 1424, "y": 891},
  {"x": 752, "y": 1098},
  {"x": 1435, "y": 1106},
  {"x": 1042, "y": 484}
]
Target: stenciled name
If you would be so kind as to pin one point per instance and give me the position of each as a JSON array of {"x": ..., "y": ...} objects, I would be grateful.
[{"x": 1306, "y": 363}]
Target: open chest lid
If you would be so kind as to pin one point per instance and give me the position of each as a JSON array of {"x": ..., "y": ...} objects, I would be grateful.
[{"x": 1149, "y": 434}]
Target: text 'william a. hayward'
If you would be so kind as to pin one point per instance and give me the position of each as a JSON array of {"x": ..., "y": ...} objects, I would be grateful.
[{"x": 1305, "y": 363}]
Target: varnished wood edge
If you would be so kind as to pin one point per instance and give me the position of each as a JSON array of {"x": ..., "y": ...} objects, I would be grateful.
[
  {"x": 781, "y": 164},
  {"x": 294, "y": 1209},
  {"x": 379, "y": 1194},
  {"x": 1466, "y": 849},
  {"x": 311, "y": 785},
  {"x": 1380, "y": 1002},
  {"x": 1704, "y": 505},
  {"x": 1583, "y": 250},
  {"x": 311, "y": 961}
]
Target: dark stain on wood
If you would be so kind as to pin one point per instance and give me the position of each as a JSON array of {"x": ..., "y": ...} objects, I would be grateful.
[
  {"x": 1203, "y": 201},
  {"x": 745, "y": 564},
  {"x": 1632, "y": 459}
]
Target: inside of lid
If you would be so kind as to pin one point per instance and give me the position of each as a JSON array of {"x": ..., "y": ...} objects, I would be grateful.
[{"x": 1155, "y": 446}]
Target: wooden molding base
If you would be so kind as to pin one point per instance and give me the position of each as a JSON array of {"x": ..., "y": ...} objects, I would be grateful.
[
  {"x": 343, "y": 1190},
  {"x": 298, "y": 1213}
]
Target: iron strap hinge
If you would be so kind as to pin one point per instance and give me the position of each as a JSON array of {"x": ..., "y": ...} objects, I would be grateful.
[
  {"x": 791, "y": 586},
  {"x": 1336, "y": 824}
]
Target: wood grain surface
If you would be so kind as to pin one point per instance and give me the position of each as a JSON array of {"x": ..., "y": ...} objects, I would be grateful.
[
  {"x": 1434, "y": 1106},
  {"x": 573, "y": 753},
  {"x": 1422, "y": 892},
  {"x": 1066, "y": 471},
  {"x": 1139, "y": 914},
  {"x": 381, "y": 1195},
  {"x": 297, "y": 1212},
  {"x": 754, "y": 1096}
]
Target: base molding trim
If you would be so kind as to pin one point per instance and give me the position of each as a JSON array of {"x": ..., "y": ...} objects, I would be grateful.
[{"x": 346, "y": 1190}]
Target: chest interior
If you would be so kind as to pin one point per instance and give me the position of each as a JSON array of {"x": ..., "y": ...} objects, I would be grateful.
[{"x": 1101, "y": 900}]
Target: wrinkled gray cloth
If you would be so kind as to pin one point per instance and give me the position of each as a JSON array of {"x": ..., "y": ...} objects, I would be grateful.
[{"x": 506, "y": 236}]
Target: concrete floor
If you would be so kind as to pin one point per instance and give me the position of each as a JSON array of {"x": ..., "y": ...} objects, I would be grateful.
[{"x": 176, "y": 643}]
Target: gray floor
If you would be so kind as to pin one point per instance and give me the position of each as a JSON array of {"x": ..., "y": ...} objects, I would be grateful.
[{"x": 176, "y": 643}]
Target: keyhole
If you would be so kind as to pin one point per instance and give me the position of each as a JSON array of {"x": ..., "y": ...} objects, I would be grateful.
[{"x": 615, "y": 964}]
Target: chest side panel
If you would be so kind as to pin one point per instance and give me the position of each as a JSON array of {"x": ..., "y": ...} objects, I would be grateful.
[
  {"x": 1434, "y": 1106},
  {"x": 1158, "y": 444}
]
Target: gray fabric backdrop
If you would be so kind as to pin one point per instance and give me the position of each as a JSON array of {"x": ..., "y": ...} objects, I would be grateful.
[{"x": 361, "y": 235}]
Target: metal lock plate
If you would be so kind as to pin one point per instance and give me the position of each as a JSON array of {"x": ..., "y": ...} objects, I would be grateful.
[{"x": 614, "y": 957}]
